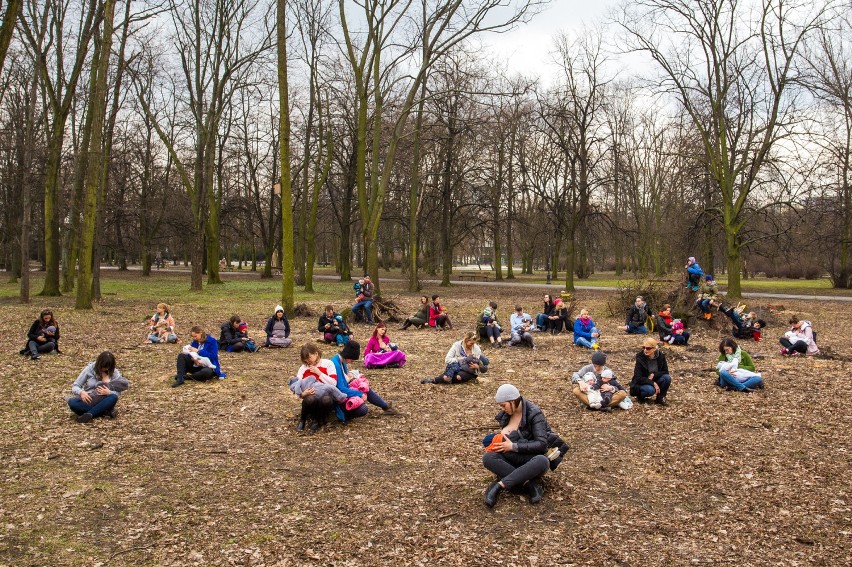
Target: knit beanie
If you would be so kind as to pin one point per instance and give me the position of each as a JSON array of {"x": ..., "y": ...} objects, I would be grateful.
[
  {"x": 599, "y": 359},
  {"x": 691, "y": 260},
  {"x": 351, "y": 351},
  {"x": 279, "y": 308},
  {"x": 708, "y": 277},
  {"x": 507, "y": 393}
]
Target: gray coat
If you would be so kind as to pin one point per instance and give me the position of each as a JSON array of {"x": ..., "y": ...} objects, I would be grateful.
[{"x": 88, "y": 382}]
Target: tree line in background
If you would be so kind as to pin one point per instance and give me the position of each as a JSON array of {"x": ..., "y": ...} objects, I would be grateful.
[{"x": 380, "y": 134}]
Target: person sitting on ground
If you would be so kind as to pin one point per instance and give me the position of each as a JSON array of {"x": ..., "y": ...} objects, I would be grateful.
[
  {"x": 488, "y": 326},
  {"x": 747, "y": 326},
  {"x": 637, "y": 314},
  {"x": 438, "y": 318},
  {"x": 651, "y": 374},
  {"x": 43, "y": 336},
  {"x": 316, "y": 385},
  {"x": 96, "y": 390},
  {"x": 200, "y": 359},
  {"x": 525, "y": 449},
  {"x": 464, "y": 362},
  {"x": 558, "y": 320},
  {"x": 521, "y": 324},
  {"x": 586, "y": 334},
  {"x": 278, "y": 329},
  {"x": 597, "y": 367},
  {"x": 363, "y": 308},
  {"x": 671, "y": 330},
  {"x": 233, "y": 336},
  {"x": 420, "y": 318},
  {"x": 542, "y": 320},
  {"x": 799, "y": 339},
  {"x": 736, "y": 368},
  {"x": 694, "y": 273},
  {"x": 348, "y": 382},
  {"x": 381, "y": 352},
  {"x": 707, "y": 297},
  {"x": 161, "y": 326},
  {"x": 333, "y": 327}
]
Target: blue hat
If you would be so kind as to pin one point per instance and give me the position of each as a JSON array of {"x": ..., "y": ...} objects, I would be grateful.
[{"x": 708, "y": 277}]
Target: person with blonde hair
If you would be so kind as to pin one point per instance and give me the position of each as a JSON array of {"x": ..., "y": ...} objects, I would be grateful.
[
  {"x": 465, "y": 362},
  {"x": 651, "y": 376},
  {"x": 161, "y": 326}
]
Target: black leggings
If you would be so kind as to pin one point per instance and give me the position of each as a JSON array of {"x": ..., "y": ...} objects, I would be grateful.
[
  {"x": 798, "y": 346},
  {"x": 317, "y": 408},
  {"x": 185, "y": 365}
]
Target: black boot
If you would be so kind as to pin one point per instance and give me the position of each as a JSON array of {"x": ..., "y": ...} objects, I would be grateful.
[
  {"x": 491, "y": 493},
  {"x": 535, "y": 491},
  {"x": 178, "y": 381}
]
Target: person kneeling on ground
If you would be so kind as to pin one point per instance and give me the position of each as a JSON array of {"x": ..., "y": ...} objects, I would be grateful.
[
  {"x": 597, "y": 368},
  {"x": 651, "y": 374},
  {"x": 464, "y": 360},
  {"x": 97, "y": 388},
  {"x": 524, "y": 449}
]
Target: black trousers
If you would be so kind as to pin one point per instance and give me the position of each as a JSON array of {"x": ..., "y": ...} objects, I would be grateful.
[{"x": 185, "y": 365}]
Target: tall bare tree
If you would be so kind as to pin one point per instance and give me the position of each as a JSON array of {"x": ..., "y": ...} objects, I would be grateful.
[
  {"x": 731, "y": 68},
  {"x": 46, "y": 32}
]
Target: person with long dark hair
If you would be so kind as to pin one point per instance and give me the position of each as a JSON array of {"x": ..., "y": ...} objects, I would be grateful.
[
  {"x": 97, "y": 388},
  {"x": 736, "y": 368},
  {"x": 43, "y": 336}
]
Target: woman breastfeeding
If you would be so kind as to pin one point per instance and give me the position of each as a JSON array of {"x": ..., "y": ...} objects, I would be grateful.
[{"x": 381, "y": 352}]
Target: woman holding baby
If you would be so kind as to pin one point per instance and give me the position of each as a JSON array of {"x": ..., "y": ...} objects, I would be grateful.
[
  {"x": 43, "y": 336},
  {"x": 161, "y": 325},
  {"x": 736, "y": 368},
  {"x": 95, "y": 391},
  {"x": 200, "y": 359}
]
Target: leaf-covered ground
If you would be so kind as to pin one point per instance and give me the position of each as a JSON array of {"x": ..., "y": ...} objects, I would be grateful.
[{"x": 215, "y": 473}]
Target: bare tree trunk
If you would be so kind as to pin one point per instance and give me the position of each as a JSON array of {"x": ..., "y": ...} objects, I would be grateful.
[
  {"x": 287, "y": 272},
  {"x": 97, "y": 104}
]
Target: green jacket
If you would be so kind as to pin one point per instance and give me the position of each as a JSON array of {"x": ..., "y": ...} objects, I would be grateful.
[{"x": 745, "y": 361}]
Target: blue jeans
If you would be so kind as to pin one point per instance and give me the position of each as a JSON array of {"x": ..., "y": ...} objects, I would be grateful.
[
  {"x": 372, "y": 398},
  {"x": 541, "y": 321},
  {"x": 634, "y": 329},
  {"x": 584, "y": 342},
  {"x": 727, "y": 379},
  {"x": 704, "y": 305},
  {"x": 98, "y": 409},
  {"x": 363, "y": 310},
  {"x": 647, "y": 390}
]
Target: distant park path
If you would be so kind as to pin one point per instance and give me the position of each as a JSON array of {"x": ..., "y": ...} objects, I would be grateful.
[{"x": 751, "y": 294}]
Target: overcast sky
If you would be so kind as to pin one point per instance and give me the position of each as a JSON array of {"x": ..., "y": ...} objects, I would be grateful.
[{"x": 527, "y": 49}]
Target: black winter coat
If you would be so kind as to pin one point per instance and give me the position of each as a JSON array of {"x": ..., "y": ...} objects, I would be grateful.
[{"x": 643, "y": 368}]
